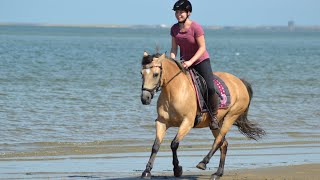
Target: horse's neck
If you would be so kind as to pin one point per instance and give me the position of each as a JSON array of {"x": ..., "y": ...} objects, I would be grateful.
[{"x": 173, "y": 78}]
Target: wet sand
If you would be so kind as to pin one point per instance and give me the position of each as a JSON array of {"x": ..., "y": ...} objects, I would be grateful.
[
  {"x": 291, "y": 172},
  {"x": 96, "y": 170},
  {"x": 106, "y": 160},
  {"x": 306, "y": 171}
]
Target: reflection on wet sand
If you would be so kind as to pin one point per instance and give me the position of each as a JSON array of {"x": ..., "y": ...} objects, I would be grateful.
[{"x": 116, "y": 159}]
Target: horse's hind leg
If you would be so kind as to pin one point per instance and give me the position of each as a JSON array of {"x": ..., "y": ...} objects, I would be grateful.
[
  {"x": 221, "y": 143},
  {"x": 218, "y": 142},
  {"x": 223, "y": 154},
  {"x": 161, "y": 131},
  {"x": 183, "y": 130}
]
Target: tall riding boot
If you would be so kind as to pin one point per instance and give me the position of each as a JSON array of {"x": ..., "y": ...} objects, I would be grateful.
[{"x": 214, "y": 106}]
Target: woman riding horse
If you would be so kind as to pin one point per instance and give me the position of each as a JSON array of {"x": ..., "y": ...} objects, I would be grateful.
[
  {"x": 189, "y": 36},
  {"x": 177, "y": 107}
]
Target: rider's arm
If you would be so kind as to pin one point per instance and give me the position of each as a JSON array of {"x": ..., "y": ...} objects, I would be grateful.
[
  {"x": 174, "y": 48},
  {"x": 202, "y": 48}
]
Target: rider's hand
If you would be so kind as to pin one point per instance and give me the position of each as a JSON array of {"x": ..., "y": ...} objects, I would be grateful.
[{"x": 187, "y": 64}]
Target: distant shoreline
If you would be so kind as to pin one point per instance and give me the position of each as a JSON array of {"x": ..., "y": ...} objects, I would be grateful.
[{"x": 262, "y": 27}]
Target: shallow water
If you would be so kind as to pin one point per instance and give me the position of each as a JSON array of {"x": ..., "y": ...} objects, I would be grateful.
[{"x": 70, "y": 99}]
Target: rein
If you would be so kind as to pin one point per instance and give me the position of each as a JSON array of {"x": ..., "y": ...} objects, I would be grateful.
[
  {"x": 181, "y": 70},
  {"x": 159, "y": 86},
  {"x": 172, "y": 78}
]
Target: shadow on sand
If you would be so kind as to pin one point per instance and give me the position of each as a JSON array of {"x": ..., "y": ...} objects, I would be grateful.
[{"x": 188, "y": 177}]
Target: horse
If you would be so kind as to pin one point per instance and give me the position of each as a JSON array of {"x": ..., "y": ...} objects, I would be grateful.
[{"x": 177, "y": 107}]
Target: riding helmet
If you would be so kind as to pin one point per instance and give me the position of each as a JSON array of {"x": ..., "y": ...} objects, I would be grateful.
[{"x": 184, "y": 5}]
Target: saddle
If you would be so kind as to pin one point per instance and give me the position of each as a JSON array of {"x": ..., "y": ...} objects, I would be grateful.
[{"x": 202, "y": 91}]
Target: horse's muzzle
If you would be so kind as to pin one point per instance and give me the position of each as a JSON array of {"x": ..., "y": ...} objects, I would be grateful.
[{"x": 146, "y": 97}]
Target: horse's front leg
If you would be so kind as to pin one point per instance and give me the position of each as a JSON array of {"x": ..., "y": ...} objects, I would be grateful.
[
  {"x": 160, "y": 133},
  {"x": 183, "y": 130}
]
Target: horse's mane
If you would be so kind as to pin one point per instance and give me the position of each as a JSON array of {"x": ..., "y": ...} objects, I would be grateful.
[{"x": 148, "y": 59}]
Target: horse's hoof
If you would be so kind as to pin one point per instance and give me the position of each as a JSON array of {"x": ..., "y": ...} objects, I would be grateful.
[
  {"x": 177, "y": 171},
  {"x": 146, "y": 175},
  {"x": 214, "y": 177},
  {"x": 202, "y": 166}
]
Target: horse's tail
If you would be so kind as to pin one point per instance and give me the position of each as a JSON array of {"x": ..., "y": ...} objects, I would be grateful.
[{"x": 246, "y": 127}]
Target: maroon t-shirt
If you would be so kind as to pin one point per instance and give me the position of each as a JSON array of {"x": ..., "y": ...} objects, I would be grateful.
[{"x": 187, "y": 41}]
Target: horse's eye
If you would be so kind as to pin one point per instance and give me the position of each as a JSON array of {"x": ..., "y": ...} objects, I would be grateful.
[{"x": 155, "y": 75}]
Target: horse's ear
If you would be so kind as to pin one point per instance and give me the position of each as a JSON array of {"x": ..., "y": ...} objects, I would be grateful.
[
  {"x": 145, "y": 54},
  {"x": 161, "y": 58},
  {"x": 163, "y": 55}
]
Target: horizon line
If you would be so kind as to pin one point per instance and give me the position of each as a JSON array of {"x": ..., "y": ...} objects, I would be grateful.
[{"x": 146, "y": 25}]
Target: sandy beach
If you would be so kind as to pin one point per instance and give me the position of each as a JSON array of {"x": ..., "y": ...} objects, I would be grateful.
[
  {"x": 306, "y": 171},
  {"x": 109, "y": 161},
  {"x": 291, "y": 172}
]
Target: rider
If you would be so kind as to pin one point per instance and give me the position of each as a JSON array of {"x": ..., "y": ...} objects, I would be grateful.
[{"x": 189, "y": 36}]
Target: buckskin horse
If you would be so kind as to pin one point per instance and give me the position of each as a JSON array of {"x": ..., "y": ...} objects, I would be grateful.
[{"x": 177, "y": 107}]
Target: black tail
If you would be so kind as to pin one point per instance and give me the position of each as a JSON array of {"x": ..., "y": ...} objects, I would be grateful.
[{"x": 247, "y": 128}]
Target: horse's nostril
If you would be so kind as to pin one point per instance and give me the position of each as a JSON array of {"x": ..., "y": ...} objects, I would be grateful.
[{"x": 146, "y": 97}]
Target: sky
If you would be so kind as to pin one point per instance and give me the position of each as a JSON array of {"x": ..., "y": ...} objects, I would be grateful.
[{"x": 155, "y": 12}]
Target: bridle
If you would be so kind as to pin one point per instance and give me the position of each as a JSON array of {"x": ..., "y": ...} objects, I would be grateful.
[{"x": 158, "y": 85}]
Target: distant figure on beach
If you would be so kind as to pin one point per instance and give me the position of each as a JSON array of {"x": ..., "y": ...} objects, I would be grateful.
[{"x": 189, "y": 36}]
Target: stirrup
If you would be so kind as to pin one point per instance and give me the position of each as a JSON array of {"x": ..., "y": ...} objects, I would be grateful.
[
  {"x": 214, "y": 125},
  {"x": 197, "y": 120},
  {"x": 198, "y": 117}
]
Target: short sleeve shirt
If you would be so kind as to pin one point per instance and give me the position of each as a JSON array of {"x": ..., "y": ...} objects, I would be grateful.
[{"x": 187, "y": 41}]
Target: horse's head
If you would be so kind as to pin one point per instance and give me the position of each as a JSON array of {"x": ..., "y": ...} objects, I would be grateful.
[{"x": 151, "y": 76}]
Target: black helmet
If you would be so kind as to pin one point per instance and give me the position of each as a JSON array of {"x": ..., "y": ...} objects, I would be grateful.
[{"x": 182, "y": 5}]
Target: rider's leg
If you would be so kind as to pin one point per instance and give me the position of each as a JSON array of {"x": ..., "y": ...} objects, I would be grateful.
[
  {"x": 205, "y": 70},
  {"x": 213, "y": 102}
]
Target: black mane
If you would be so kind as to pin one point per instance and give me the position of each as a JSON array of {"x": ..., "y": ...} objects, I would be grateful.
[{"x": 148, "y": 59}]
